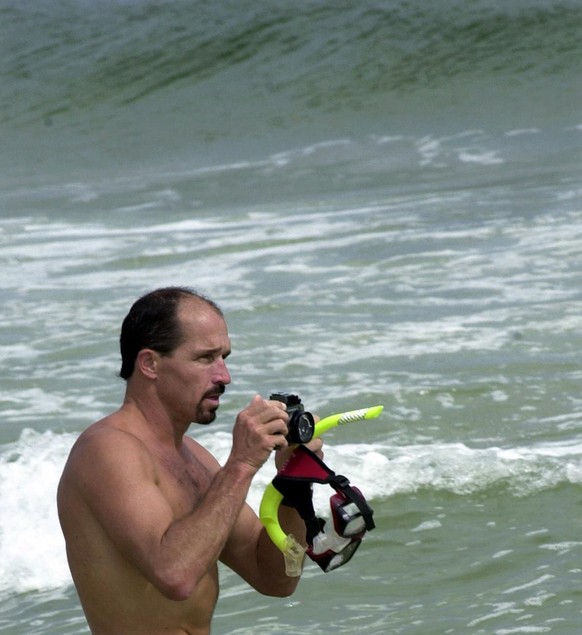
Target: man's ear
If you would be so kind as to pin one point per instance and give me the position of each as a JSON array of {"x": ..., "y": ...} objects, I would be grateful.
[{"x": 147, "y": 363}]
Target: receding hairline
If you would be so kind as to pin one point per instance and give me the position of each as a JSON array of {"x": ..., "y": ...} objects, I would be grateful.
[
  {"x": 195, "y": 306},
  {"x": 187, "y": 296},
  {"x": 182, "y": 293}
]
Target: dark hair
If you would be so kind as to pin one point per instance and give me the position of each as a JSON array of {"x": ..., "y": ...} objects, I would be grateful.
[{"x": 152, "y": 322}]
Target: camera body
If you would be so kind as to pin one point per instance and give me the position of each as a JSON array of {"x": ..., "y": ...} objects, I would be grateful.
[{"x": 301, "y": 423}]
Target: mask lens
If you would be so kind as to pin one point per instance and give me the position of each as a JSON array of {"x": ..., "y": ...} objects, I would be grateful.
[
  {"x": 347, "y": 519},
  {"x": 344, "y": 556},
  {"x": 355, "y": 526}
]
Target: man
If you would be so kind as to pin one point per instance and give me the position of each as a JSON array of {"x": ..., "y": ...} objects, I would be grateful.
[{"x": 145, "y": 510}]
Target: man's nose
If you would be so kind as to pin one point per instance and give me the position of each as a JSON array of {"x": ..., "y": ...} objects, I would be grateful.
[{"x": 222, "y": 374}]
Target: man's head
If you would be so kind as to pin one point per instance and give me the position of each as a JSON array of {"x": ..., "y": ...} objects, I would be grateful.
[
  {"x": 153, "y": 323},
  {"x": 174, "y": 344}
]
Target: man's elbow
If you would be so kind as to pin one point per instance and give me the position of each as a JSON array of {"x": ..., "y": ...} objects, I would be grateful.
[
  {"x": 282, "y": 589},
  {"x": 178, "y": 591},
  {"x": 176, "y": 585}
]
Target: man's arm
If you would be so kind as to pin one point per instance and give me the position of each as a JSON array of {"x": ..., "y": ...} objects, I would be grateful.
[
  {"x": 251, "y": 553},
  {"x": 115, "y": 474}
]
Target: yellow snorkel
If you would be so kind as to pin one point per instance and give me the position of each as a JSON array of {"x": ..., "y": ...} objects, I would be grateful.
[
  {"x": 330, "y": 422},
  {"x": 269, "y": 508}
]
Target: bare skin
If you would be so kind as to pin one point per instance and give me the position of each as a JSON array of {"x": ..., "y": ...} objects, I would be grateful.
[{"x": 148, "y": 512}]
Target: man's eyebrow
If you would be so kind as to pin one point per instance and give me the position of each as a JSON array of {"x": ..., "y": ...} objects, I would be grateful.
[{"x": 212, "y": 351}]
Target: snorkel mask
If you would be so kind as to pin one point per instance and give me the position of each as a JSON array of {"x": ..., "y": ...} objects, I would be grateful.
[{"x": 333, "y": 543}]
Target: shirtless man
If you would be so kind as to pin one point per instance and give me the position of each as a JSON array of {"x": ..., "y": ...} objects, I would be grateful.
[{"x": 145, "y": 510}]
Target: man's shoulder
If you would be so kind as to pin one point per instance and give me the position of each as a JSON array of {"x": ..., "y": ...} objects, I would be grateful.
[
  {"x": 104, "y": 461},
  {"x": 104, "y": 444},
  {"x": 107, "y": 432}
]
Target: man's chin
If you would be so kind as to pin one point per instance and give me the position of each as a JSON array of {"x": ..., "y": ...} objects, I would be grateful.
[{"x": 206, "y": 417}]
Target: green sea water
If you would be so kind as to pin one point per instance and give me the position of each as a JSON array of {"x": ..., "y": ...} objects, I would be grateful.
[{"x": 388, "y": 212}]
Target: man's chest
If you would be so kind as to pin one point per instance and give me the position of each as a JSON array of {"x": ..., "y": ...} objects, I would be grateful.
[{"x": 183, "y": 482}]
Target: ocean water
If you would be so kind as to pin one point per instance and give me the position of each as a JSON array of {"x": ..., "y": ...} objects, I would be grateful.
[{"x": 385, "y": 199}]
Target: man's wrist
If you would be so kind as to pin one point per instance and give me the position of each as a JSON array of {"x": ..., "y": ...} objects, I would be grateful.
[{"x": 240, "y": 470}]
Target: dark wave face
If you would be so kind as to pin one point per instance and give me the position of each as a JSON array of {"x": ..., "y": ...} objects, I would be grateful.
[{"x": 98, "y": 78}]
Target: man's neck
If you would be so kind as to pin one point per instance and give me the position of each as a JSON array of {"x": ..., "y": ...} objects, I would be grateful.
[{"x": 154, "y": 418}]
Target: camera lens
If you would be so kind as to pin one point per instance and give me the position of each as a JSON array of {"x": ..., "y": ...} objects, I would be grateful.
[
  {"x": 301, "y": 427},
  {"x": 301, "y": 424}
]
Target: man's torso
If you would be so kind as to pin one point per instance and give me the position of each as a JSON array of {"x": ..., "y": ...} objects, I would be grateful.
[{"x": 115, "y": 596}]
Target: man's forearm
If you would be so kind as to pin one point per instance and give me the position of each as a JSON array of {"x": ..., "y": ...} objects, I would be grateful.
[
  {"x": 193, "y": 544},
  {"x": 274, "y": 579}
]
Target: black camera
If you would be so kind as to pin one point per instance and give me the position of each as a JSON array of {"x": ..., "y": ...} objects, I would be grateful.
[{"x": 301, "y": 423}]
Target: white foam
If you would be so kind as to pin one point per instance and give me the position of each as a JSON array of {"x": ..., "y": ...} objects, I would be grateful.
[
  {"x": 531, "y": 583},
  {"x": 482, "y": 158},
  {"x": 32, "y": 553}
]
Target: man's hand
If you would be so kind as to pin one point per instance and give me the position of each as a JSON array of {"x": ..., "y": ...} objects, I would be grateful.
[
  {"x": 259, "y": 429},
  {"x": 284, "y": 454}
]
